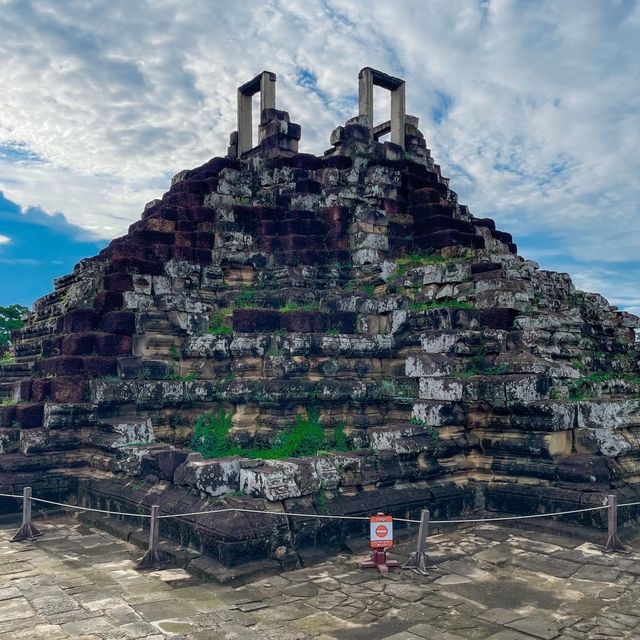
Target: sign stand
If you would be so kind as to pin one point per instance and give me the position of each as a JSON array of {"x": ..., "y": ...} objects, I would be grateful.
[
  {"x": 418, "y": 559},
  {"x": 381, "y": 534}
]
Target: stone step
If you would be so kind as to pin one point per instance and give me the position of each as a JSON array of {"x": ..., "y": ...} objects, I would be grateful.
[{"x": 17, "y": 462}]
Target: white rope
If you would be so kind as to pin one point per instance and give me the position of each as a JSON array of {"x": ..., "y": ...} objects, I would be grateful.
[
  {"x": 317, "y": 515},
  {"x": 629, "y": 504},
  {"x": 535, "y": 515},
  {"x": 270, "y": 513},
  {"x": 79, "y": 508}
]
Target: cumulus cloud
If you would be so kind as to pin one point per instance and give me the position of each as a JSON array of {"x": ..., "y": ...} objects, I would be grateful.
[
  {"x": 531, "y": 108},
  {"x": 4, "y": 239}
]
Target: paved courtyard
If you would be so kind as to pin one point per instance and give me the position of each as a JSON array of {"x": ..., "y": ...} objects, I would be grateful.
[{"x": 484, "y": 583}]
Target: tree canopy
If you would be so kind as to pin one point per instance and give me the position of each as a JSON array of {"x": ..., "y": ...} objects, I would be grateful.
[{"x": 10, "y": 319}]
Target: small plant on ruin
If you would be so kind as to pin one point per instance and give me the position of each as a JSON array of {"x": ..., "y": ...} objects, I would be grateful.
[
  {"x": 7, "y": 359},
  {"x": 333, "y": 331},
  {"x": 143, "y": 374},
  {"x": 419, "y": 258},
  {"x": 210, "y": 434},
  {"x": 432, "y": 432},
  {"x": 217, "y": 326},
  {"x": 369, "y": 289},
  {"x": 8, "y": 402},
  {"x": 340, "y": 438},
  {"x": 291, "y": 305},
  {"x": 246, "y": 298},
  {"x": 173, "y": 352},
  {"x": 111, "y": 378},
  {"x": 321, "y": 502},
  {"x": 445, "y": 303}
]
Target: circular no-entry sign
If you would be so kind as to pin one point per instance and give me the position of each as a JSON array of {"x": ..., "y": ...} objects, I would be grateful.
[{"x": 381, "y": 531}]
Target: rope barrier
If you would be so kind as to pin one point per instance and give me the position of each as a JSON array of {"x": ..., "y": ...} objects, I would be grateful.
[
  {"x": 314, "y": 515},
  {"x": 271, "y": 513},
  {"x": 535, "y": 515},
  {"x": 79, "y": 508},
  {"x": 319, "y": 516}
]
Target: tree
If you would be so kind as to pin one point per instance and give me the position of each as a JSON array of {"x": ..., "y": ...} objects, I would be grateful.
[{"x": 10, "y": 319}]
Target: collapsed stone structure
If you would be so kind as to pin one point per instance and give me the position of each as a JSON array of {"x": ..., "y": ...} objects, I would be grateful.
[{"x": 270, "y": 281}]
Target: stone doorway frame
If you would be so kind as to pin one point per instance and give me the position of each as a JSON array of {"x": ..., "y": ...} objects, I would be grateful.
[
  {"x": 367, "y": 79},
  {"x": 265, "y": 84}
]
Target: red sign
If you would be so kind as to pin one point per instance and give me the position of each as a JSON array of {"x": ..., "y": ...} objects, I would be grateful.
[{"x": 381, "y": 531}]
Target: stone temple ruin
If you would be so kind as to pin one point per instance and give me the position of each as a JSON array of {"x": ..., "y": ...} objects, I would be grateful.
[{"x": 351, "y": 289}]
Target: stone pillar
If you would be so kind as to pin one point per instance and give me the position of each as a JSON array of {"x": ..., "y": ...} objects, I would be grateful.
[
  {"x": 369, "y": 77},
  {"x": 265, "y": 83}
]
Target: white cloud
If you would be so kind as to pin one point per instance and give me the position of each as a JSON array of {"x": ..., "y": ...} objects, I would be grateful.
[
  {"x": 4, "y": 239},
  {"x": 541, "y": 132}
]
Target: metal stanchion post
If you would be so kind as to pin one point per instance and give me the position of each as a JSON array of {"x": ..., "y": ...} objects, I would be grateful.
[
  {"x": 418, "y": 559},
  {"x": 153, "y": 558},
  {"x": 28, "y": 530},
  {"x": 613, "y": 541}
]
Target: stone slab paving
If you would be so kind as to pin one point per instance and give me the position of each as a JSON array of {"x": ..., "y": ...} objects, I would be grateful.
[{"x": 487, "y": 583}]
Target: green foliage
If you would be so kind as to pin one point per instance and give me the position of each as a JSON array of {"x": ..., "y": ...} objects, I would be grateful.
[
  {"x": 10, "y": 320},
  {"x": 210, "y": 434},
  {"x": 445, "y": 303},
  {"x": 246, "y": 298},
  {"x": 420, "y": 258},
  {"x": 321, "y": 502},
  {"x": 369, "y": 289},
  {"x": 296, "y": 306},
  {"x": 217, "y": 326},
  {"x": 143, "y": 374},
  {"x": 8, "y": 402},
  {"x": 305, "y": 437},
  {"x": 6, "y": 360},
  {"x": 332, "y": 331},
  {"x": 111, "y": 378},
  {"x": 432, "y": 432},
  {"x": 340, "y": 438},
  {"x": 396, "y": 389},
  {"x": 173, "y": 352}
]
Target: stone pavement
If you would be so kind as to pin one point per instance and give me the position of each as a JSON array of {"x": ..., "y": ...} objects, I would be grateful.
[{"x": 487, "y": 583}]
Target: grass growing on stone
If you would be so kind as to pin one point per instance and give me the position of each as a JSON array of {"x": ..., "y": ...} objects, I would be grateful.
[
  {"x": 305, "y": 437},
  {"x": 7, "y": 360},
  {"x": 296, "y": 306},
  {"x": 445, "y": 303},
  {"x": 246, "y": 298},
  {"x": 217, "y": 326}
]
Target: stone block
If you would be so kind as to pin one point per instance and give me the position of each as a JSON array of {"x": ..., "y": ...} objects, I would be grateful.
[
  {"x": 255, "y": 320},
  {"x": 303, "y": 321},
  {"x": 30, "y": 415},
  {"x": 106, "y": 301},
  {"x": 163, "y": 462},
  {"x": 211, "y": 477},
  {"x": 99, "y": 367},
  {"x": 79, "y": 320},
  {"x": 450, "y": 389},
  {"x": 110, "y": 344},
  {"x": 118, "y": 282},
  {"x": 7, "y": 416},
  {"x": 277, "y": 480},
  {"x": 9, "y": 440},
  {"x": 68, "y": 389},
  {"x": 437, "y": 414},
  {"x": 78, "y": 344},
  {"x": 119, "y": 322},
  {"x": 41, "y": 389}
]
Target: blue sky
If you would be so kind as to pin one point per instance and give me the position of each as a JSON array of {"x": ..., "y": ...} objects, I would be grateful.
[
  {"x": 40, "y": 247},
  {"x": 532, "y": 110}
]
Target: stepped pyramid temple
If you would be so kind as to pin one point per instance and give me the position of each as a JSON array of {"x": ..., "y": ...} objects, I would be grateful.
[{"x": 330, "y": 334}]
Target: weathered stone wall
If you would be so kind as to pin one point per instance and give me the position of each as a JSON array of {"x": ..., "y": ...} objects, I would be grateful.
[{"x": 355, "y": 283}]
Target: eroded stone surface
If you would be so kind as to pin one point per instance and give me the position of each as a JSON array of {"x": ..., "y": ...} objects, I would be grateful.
[{"x": 77, "y": 582}]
